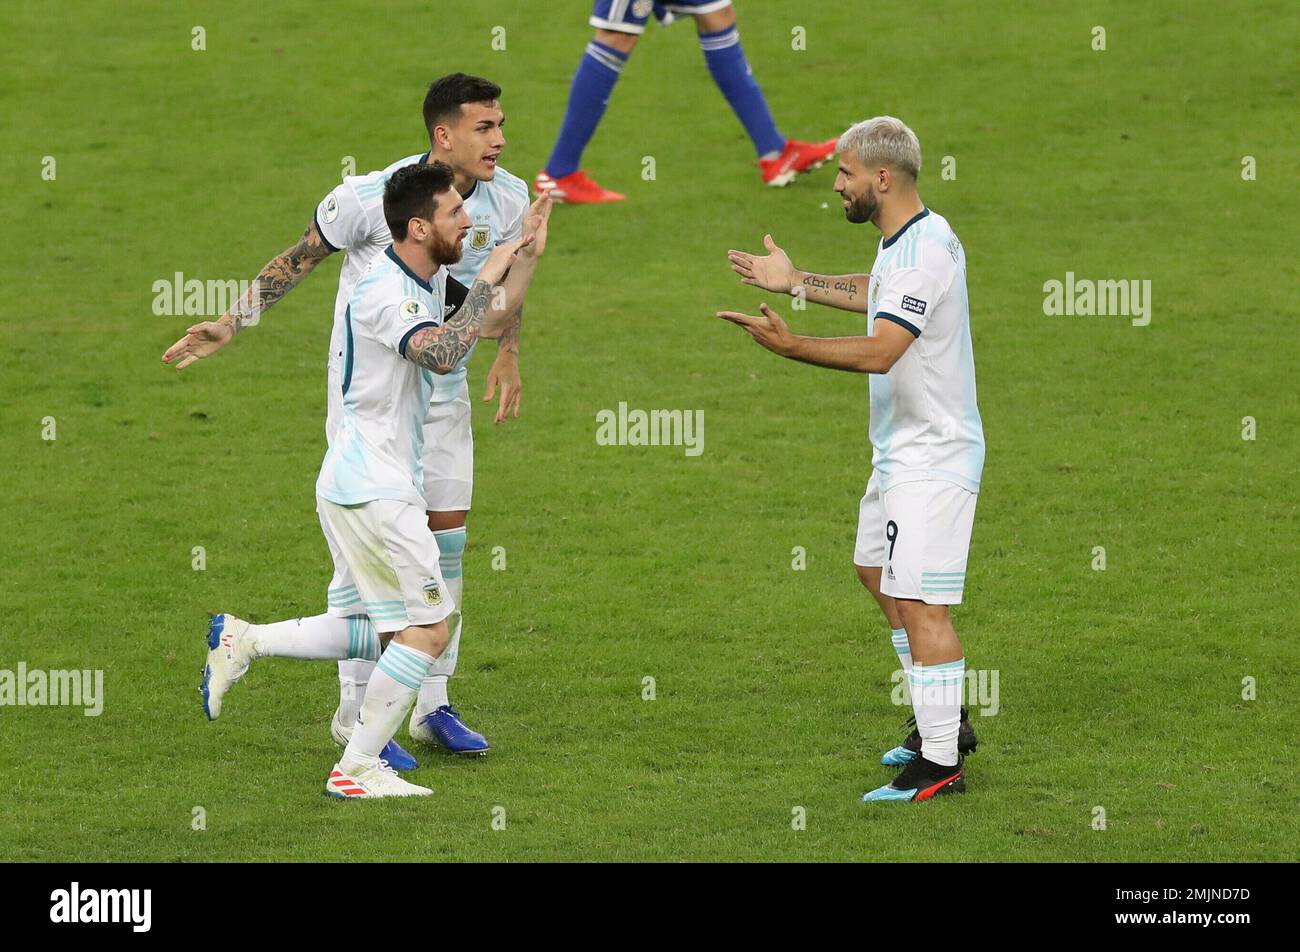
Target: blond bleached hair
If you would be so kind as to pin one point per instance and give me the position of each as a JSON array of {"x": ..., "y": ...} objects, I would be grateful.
[{"x": 884, "y": 140}]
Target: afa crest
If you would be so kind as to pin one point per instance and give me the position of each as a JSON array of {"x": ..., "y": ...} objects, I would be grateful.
[
  {"x": 480, "y": 236},
  {"x": 432, "y": 594}
]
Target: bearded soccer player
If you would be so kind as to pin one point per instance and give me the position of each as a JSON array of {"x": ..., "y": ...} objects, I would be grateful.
[
  {"x": 464, "y": 121},
  {"x": 401, "y": 332},
  {"x": 915, "y": 520},
  {"x": 619, "y": 24}
]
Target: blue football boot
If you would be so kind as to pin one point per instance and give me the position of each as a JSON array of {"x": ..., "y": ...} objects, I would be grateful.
[{"x": 444, "y": 728}]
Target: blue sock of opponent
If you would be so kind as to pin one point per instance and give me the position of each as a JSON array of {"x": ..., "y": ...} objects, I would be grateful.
[
  {"x": 730, "y": 70},
  {"x": 588, "y": 97}
]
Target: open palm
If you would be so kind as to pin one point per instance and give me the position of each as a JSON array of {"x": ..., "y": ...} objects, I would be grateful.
[{"x": 772, "y": 271}]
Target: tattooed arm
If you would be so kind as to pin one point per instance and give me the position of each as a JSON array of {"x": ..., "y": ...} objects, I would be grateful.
[
  {"x": 441, "y": 348},
  {"x": 848, "y": 292},
  {"x": 775, "y": 272},
  {"x": 508, "y": 342},
  {"x": 281, "y": 275}
]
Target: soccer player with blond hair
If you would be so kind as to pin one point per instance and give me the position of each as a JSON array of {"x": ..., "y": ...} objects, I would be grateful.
[{"x": 915, "y": 519}]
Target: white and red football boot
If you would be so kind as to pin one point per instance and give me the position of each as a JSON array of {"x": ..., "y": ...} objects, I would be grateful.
[
  {"x": 573, "y": 189},
  {"x": 371, "y": 783},
  {"x": 797, "y": 158}
]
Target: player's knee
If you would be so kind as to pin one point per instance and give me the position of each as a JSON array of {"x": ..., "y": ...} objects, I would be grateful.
[
  {"x": 913, "y": 620},
  {"x": 623, "y": 42},
  {"x": 430, "y": 639},
  {"x": 438, "y": 521},
  {"x": 925, "y": 621},
  {"x": 716, "y": 20}
]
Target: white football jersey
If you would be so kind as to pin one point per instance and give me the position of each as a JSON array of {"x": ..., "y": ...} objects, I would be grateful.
[
  {"x": 351, "y": 218},
  {"x": 925, "y": 423},
  {"x": 377, "y": 449},
  {"x": 497, "y": 209}
]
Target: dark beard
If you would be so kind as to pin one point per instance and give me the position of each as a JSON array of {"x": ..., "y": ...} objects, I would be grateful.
[
  {"x": 446, "y": 253},
  {"x": 860, "y": 210}
]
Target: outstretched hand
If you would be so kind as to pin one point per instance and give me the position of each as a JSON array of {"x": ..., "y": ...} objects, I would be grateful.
[
  {"x": 539, "y": 213},
  {"x": 770, "y": 329},
  {"x": 504, "y": 372},
  {"x": 771, "y": 272},
  {"x": 201, "y": 340}
]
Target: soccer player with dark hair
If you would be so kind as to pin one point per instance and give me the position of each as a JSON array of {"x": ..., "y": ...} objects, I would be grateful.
[
  {"x": 464, "y": 121},
  {"x": 401, "y": 333}
]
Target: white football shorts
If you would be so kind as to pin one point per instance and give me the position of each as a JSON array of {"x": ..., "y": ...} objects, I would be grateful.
[
  {"x": 919, "y": 534},
  {"x": 385, "y": 564},
  {"x": 448, "y": 457}
]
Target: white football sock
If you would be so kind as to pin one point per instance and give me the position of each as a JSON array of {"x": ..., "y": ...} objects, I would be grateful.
[
  {"x": 451, "y": 553},
  {"x": 433, "y": 695},
  {"x": 388, "y": 699},
  {"x": 353, "y": 678},
  {"x": 902, "y": 648},
  {"x": 936, "y": 701},
  {"x": 354, "y": 673},
  {"x": 319, "y": 637}
]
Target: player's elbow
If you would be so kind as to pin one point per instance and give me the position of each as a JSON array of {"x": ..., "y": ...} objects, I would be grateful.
[
  {"x": 884, "y": 363},
  {"x": 878, "y": 361}
]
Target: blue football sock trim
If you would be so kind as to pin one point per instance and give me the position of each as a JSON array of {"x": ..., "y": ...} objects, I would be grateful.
[{"x": 405, "y": 665}]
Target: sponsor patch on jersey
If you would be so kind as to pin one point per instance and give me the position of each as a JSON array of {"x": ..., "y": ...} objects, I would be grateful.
[
  {"x": 915, "y": 305},
  {"x": 479, "y": 237},
  {"x": 331, "y": 210},
  {"x": 412, "y": 310},
  {"x": 432, "y": 593}
]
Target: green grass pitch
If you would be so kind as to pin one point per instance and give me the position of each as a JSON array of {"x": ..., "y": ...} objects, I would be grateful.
[{"x": 1120, "y": 689}]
